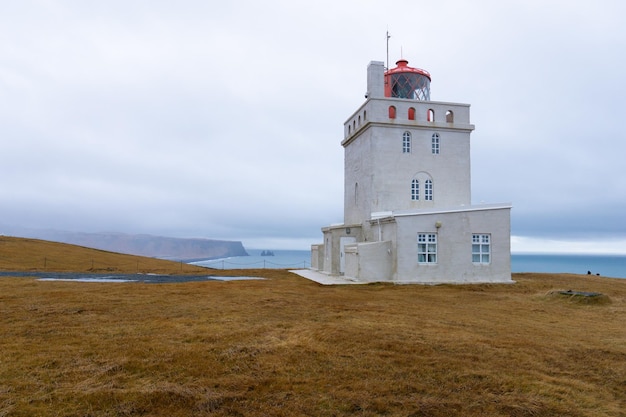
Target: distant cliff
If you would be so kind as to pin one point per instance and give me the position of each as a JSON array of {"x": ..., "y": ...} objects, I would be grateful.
[{"x": 180, "y": 249}]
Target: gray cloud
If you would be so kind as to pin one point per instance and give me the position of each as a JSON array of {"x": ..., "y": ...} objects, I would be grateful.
[{"x": 225, "y": 120}]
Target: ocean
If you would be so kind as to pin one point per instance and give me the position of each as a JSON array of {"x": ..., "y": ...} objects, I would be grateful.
[
  {"x": 613, "y": 266},
  {"x": 282, "y": 259}
]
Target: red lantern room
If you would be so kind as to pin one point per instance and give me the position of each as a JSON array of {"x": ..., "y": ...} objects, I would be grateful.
[{"x": 407, "y": 82}]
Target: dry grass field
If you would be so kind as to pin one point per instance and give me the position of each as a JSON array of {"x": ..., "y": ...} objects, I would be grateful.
[
  {"x": 285, "y": 346},
  {"x": 18, "y": 254}
]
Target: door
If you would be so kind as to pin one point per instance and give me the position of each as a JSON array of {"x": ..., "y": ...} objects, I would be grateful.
[{"x": 343, "y": 241}]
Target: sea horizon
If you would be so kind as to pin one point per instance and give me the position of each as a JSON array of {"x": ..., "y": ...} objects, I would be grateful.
[{"x": 606, "y": 265}]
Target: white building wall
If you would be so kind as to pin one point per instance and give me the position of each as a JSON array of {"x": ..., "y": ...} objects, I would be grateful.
[
  {"x": 394, "y": 170},
  {"x": 370, "y": 261},
  {"x": 377, "y": 174},
  {"x": 374, "y": 111},
  {"x": 359, "y": 180},
  {"x": 331, "y": 260},
  {"x": 454, "y": 246},
  {"x": 317, "y": 257}
]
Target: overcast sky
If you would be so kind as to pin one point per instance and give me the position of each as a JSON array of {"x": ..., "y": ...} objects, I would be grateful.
[{"x": 223, "y": 120}]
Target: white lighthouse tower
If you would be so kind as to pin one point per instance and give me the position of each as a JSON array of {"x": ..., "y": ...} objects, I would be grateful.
[{"x": 408, "y": 215}]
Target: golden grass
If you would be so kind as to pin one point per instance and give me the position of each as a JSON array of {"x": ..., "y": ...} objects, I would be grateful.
[
  {"x": 19, "y": 254},
  {"x": 286, "y": 346}
]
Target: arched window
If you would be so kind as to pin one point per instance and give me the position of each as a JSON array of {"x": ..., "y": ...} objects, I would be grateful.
[
  {"x": 406, "y": 142},
  {"x": 364, "y": 115},
  {"x": 430, "y": 115},
  {"x": 449, "y": 116},
  {"x": 392, "y": 112},
  {"x": 415, "y": 190},
  {"x": 411, "y": 113},
  {"x": 422, "y": 187},
  {"x": 428, "y": 190},
  {"x": 435, "y": 144},
  {"x": 356, "y": 192}
]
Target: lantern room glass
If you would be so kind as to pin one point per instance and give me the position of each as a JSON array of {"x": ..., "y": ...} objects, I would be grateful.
[{"x": 410, "y": 85}]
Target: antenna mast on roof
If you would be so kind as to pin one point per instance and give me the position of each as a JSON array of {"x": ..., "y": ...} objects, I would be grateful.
[{"x": 388, "y": 36}]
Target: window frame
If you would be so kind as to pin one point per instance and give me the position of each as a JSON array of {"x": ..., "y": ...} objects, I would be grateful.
[
  {"x": 426, "y": 248},
  {"x": 406, "y": 142},
  {"x": 428, "y": 190},
  {"x": 435, "y": 146},
  {"x": 415, "y": 189},
  {"x": 481, "y": 248}
]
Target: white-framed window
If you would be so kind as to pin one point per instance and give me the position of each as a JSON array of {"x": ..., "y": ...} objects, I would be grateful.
[
  {"x": 428, "y": 190},
  {"x": 406, "y": 142},
  {"x": 427, "y": 248},
  {"x": 415, "y": 190},
  {"x": 481, "y": 248},
  {"x": 422, "y": 187},
  {"x": 435, "y": 144}
]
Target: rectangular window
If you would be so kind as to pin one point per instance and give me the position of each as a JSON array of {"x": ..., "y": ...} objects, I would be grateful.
[
  {"x": 481, "y": 248},
  {"x": 427, "y": 248}
]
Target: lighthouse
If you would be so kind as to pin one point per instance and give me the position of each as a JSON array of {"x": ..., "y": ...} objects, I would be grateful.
[{"x": 408, "y": 214}]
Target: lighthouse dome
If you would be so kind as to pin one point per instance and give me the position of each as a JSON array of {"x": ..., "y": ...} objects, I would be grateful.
[{"x": 407, "y": 82}]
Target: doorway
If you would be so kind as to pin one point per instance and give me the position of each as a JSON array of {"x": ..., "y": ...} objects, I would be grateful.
[{"x": 343, "y": 241}]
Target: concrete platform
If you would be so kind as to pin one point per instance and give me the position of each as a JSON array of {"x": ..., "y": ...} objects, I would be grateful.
[
  {"x": 327, "y": 279},
  {"x": 324, "y": 279}
]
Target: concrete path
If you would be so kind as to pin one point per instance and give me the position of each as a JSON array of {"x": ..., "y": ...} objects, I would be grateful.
[{"x": 324, "y": 279}]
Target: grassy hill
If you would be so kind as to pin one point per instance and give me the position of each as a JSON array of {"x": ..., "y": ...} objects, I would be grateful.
[
  {"x": 21, "y": 254},
  {"x": 285, "y": 346}
]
